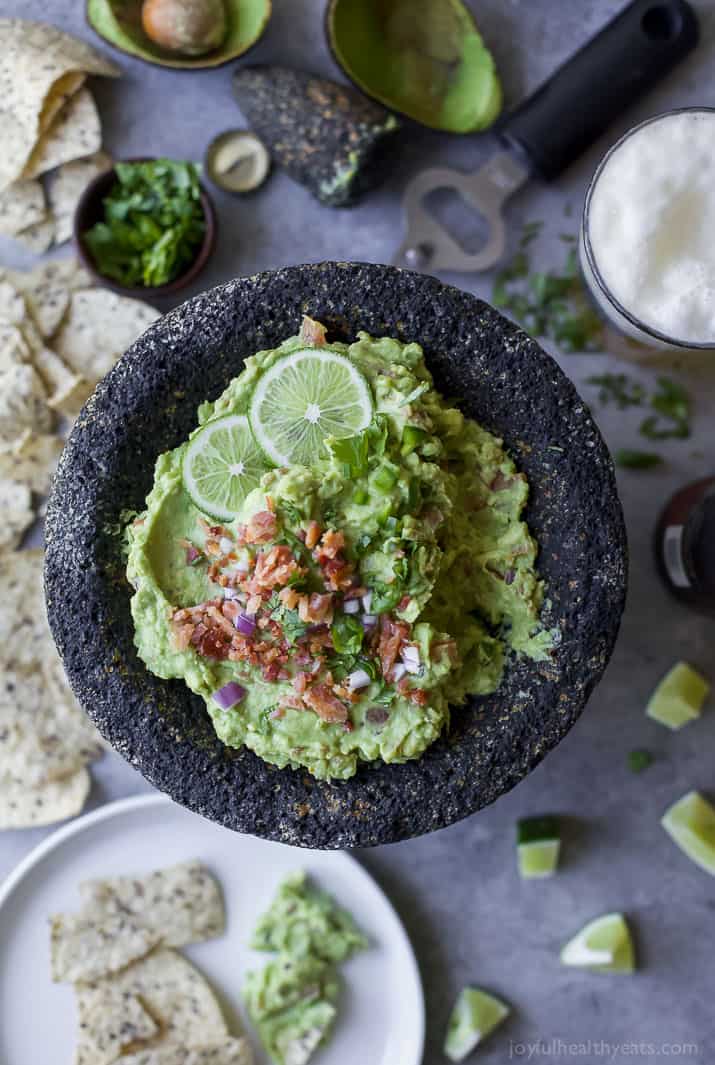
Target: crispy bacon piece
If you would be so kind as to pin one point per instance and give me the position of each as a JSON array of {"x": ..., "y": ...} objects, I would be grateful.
[
  {"x": 261, "y": 528},
  {"x": 301, "y": 681},
  {"x": 312, "y": 534},
  {"x": 419, "y": 696},
  {"x": 289, "y": 598},
  {"x": 330, "y": 546},
  {"x": 290, "y": 702},
  {"x": 338, "y": 574},
  {"x": 404, "y": 602},
  {"x": 393, "y": 634},
  {"x": 316, "y": 609},
  {"x": 312, "y": 333},
  {"x": 274, "y": 569},
  {"x": 326, "y": 705}
]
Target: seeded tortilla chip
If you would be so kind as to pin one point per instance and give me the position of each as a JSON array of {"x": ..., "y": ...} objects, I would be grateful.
[
  {"x": 23, "y": 626},
  {"x": 182, "y": 904},
  {"x": 227, "y": 1052},
  {"x": 98, "y": 329},
  {"x": 90, "y": 944},
  {"x": 67, "y": 188},
  {"x": 14, "y": 349},
  {"x": 176, "y": 995},
  {"x": 17, "y": 513},
  {"x": 22, "y": 204},
  {"x": 32, "y": 462},
  {"x": 25, "y": 807},
  {"x": 67, "y": 390},
  {"x": 74, "y": 133},
  {"x": 38, "y": 237},
  {"x": 23, "y": 403},
  {"x": 40, "y": 66},
  {"x": 110, "y": 1021},
  {"x": 47, "y": 290}
]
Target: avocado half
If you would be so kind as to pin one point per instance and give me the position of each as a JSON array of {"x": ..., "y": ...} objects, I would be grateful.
[
  {"x": 147, "y": 404},
  {"x": 423, "y": 58},
  {"x": 118, "y": 22}
]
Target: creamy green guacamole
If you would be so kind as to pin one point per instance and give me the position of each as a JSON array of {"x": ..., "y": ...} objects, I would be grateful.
[{"x": 428, "y": 507}]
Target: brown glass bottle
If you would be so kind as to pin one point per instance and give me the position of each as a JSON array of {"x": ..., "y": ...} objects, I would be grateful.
[{"x": 685, "y": 545}]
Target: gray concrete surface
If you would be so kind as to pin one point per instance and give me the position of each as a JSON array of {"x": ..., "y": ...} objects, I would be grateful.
[{"x": 469, "y": 916}]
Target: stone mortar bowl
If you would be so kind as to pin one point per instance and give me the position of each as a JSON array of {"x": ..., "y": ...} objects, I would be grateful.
[{"x": 147, "y": 404}]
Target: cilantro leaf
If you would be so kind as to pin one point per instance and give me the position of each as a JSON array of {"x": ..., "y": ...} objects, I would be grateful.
[{"x": 347, "y": 633}]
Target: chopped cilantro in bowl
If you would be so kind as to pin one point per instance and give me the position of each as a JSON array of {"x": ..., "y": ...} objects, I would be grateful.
[{"x": 146, "y": 223}]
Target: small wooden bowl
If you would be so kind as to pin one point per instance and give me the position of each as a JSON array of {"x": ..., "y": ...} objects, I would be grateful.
[{"x": 90, "y": 210}]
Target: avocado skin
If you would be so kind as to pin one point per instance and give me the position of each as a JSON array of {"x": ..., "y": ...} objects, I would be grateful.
[
  {"x": 147, "y": 404},
  {"x": 326, "y": 136}
]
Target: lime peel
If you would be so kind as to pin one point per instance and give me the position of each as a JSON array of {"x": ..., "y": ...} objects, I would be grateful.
[
  {"x": 476, "y": 1013},
  {"x": 679, "y": 697},
  {"x": 690, "y": 823},
  {"x": 221, "y": 465},
  {"x": 538, "y": 847},
  {"x": 603, "y": 945}
]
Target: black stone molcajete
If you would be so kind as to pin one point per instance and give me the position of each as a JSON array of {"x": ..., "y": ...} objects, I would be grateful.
[{"x": 148, "y": 404}]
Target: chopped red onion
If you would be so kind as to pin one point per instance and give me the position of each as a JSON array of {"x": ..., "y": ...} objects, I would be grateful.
[
  {"x": 358, "y": 679},
  {"x": 230, "y": 695},
  {"x": 242, "y": 566},
  {"x": 398, "y": 671},
  {"x": 231, "y": 593},
  {"x": 369, "y": 621},
  {"x": 245, "y": 623},
  {"x": 367, "y": 602},
  {"x": 192, "y": 555},
  {"x": 225, "y": 545},
  {"x": 351, "y": 606},
  {"x": 411, "y": 657}
]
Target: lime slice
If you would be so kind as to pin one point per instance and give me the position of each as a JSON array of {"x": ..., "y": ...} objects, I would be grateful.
[
  {"x": 538, "y": 846},
  {"x": 604, "y": 945},
  {"x": 222, "y": 464},
  {"x": 304, "y": 397},
  {"x": 474, "y": 1016},
  {"x": 690, "y": 822},
  {"x": 679, "y": 697}
]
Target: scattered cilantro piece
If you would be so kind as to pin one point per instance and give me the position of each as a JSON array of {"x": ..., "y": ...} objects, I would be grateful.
[
  {"x": 671, "y": 403},
  {"x": 153, "y": 223},
  {"x": 637, "y": 460},
  {"x": 291, "y": 512},
  {"x": 530, "y": 231},
  {"x": 352, "y": 451},
  {"x": 385, "y": 597},
  {"x": 639, "y": 760},
  {"x": 347, "y": 633},
  {"x": 618, "y": 388}
]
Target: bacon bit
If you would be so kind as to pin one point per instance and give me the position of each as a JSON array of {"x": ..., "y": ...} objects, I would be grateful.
[
  {"x": 312, "y": 534},
  {"x": 330, "y": 546},
  {"x": 211, "y": 643},
  {"x": 215, "y": 614},
  {"x": 501, "y": 483},
  {"x": 289, "y": 598},
  {"x": 419, "y": 696},
  {"x": 300, "y": 681},
  {"x": 273, "y": 568},
  {"x": 270, "y": 672},
  {"x": 192, "y": 552},
  {"x": 348, "y": 726},
  {"x": 316, "y": 608},
  {"x": 283, "y": 674},
  {"x": 254, "y": 604},
  {"x": 263, "y": 622},
  {"x": 338, "y": 574},
  {"x": 356, "y": 592},
  {"x": 271, "y": 504},
  {"x": 261, "y": 528},
  {"x": 277, "y": 713},
  {"x": 393, "y": 634},
  {"x": 290, "y": 702},
  {"x": 326, "y": 705},
  {"x": 404, "y": 602},
  {"x": 182, "y": 636},
  {"x": 312, "y": 332}
]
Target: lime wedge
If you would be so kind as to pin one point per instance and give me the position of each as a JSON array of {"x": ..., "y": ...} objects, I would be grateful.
[
  {"x": 690, "y": 822},
  {"x": 304, "y": 397},
  {"x": 679, "y": 697},
  {"x": 604, "y": 945},
  {"x": 474, "y": 1016},
  {"x": 538, "y": 846},
  {"x": 222, "y": 464}
]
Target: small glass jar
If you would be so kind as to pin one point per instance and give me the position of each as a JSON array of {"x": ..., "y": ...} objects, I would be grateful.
[
  {"x": 685, "y": 545},
  {"x": 621, "y": 317}
]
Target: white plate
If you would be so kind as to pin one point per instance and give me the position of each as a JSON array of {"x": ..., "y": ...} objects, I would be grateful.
[{"x": 381, "y": 1019}]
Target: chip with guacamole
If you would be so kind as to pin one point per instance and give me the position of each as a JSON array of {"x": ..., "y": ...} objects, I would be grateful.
[{"x": 335, "y": 557}]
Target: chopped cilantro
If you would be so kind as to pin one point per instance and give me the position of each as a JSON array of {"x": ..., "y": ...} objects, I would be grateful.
[
  {"x": 637, "y": 460},
  {"x": 618, "y": 388},
  {"x": 385, "y": 597},
  {"x": 671, "y": 403},
  {"x": 291, "y": 511},
  {"x": 352, "y": 452},
  {"x": 639, "y": 760},
  {"x": 347, "y": 633}
]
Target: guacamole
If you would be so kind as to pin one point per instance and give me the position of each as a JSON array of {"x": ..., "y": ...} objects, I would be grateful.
[{"x": 348, "y": 602}]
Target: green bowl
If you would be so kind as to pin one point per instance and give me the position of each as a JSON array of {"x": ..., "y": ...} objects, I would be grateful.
[{"x": 118, "y": 22}]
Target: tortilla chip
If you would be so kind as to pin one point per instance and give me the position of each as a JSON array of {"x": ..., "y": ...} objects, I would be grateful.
[
  {"x": 109, "y": 1022},
  {"x": 182, "y": 904},
  {"x": 98, "y": 329},
  {"x": 33, "y": 461},
  {"x": 74, "y": 133},
  {"x": 23, "y": 403},
  {"x": 24, "y": 807},
  {"x": 67, "y": 188},
  {"x": 16, "y": 513},
  {"x": 22, "y": 204},
  {"x": 75, "y": 725},
  {"x": 14, "y": 349},
  {"x": 47, "y": 290},
  {"x": 227, "y": 1052},
  {"x": 38, "y": 238},
  {"x": 91, "y": 944},
  {"x": 68, "y": 391},
  {"x": 176, "y": 995},
  {"x": 39, "y": 67},
  {"x": 23, "y": 627},
  {"x": 13, "y": 308}
]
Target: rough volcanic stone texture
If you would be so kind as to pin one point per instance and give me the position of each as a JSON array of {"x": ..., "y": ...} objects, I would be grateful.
[{"x": 148, "y": 403}]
